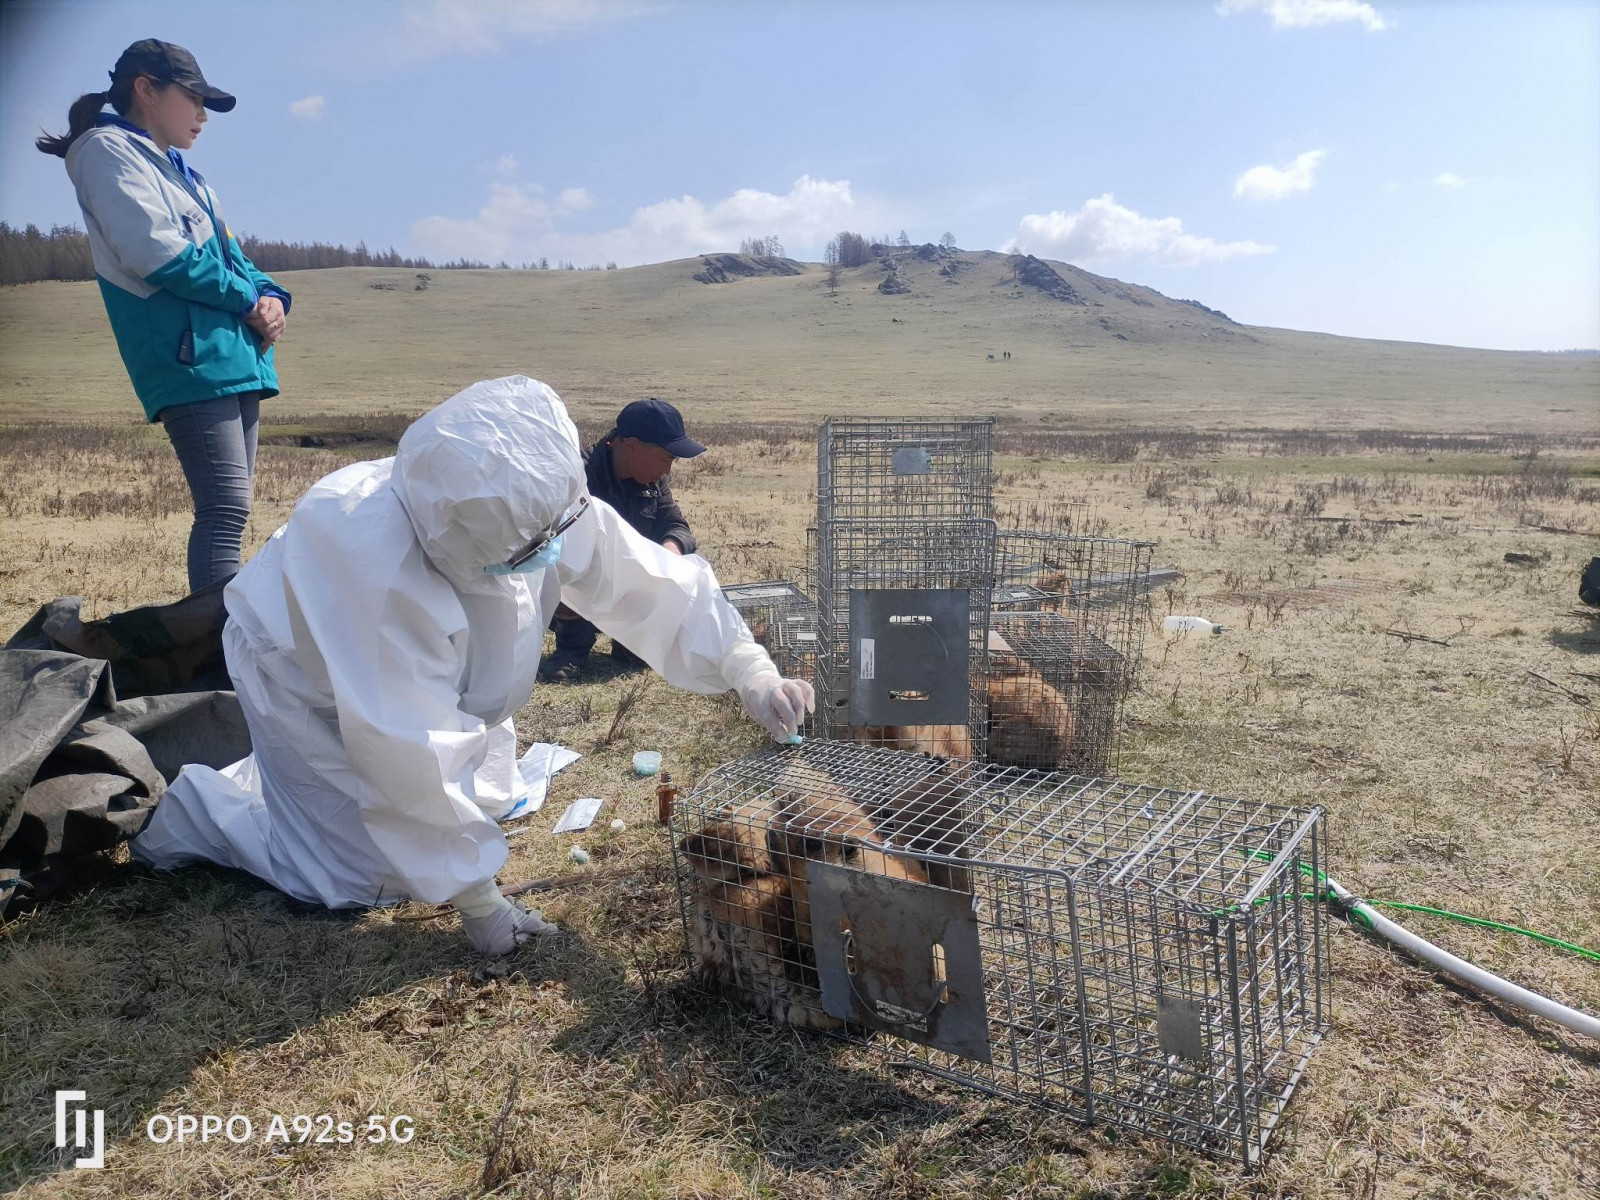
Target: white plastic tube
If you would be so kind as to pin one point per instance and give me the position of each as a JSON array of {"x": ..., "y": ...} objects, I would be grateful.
[{"x": 1493, "y": 985}]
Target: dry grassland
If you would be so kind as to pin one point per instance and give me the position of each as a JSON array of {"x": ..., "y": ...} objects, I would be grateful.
[{"x": 583, "y": 1067}]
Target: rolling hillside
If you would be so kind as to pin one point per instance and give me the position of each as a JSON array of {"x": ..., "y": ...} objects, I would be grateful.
[{"x": 772, "y": 342}]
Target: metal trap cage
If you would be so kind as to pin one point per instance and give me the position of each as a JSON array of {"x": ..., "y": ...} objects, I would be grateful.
[
  {"x": 1145, "y": 957},
  {"x": 1099, "y": 588},
  {"x": 902, "y": 467},
  {"x": 783, "y": 620},
  {"x": 1055, "y": 694},
  {"x": 902, "y": 624}
]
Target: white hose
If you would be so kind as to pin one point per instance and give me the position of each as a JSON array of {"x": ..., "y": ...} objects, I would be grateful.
[{"x": 1571, "y": 1018}]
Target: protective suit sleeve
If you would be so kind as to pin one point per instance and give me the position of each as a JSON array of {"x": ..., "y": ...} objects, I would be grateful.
[
  {"x": 389, "y": 658},
  {"x": 669, "y": 610}
]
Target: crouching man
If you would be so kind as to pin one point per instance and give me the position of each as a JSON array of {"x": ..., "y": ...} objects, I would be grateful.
[{"x": 628, "y": 469}]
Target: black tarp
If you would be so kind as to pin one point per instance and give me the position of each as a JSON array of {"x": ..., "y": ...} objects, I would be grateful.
[{"x": 96, "y": 718}]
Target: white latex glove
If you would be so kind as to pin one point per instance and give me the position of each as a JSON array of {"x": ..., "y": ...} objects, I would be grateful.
[
  {"x": 778, "y": 704},
  {"x": 495, "y": 925}
]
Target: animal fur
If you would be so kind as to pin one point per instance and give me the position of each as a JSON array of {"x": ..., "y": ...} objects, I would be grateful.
[
  {"x": 743, "y": 939},
  {"x": 931, "y": 816},
  {"x": 823, "y": 823},
  {"x": 1030, "y": 721},
  {"x": 1059, "y": 586},
  {"x": 751, "y": 936},
  {"x": 936, "y": 741}
]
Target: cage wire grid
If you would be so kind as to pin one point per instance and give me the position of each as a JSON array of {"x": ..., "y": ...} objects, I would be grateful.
[
  {"x": 783, "y": 620},
  {"x": 1149, "y": 957},
  {"x": 904, "y": 467},
  {"x": 1067, "y": 635}
]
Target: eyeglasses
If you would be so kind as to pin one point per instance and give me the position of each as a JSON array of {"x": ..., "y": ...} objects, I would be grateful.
[{"x": 550, "y": 534}]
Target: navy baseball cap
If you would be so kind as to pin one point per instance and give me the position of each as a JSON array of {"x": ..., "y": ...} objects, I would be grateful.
[
  {"x": 657, "y": 422},
  {"x": 166, "y": 63}
]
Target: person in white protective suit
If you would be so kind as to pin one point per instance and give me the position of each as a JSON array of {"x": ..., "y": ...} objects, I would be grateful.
[{"x": 382, "y": 640}]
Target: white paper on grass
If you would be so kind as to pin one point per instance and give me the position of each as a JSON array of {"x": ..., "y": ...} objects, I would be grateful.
[
  {"x": 537, "y": 766},
  {"x": 580, "y": 814}
]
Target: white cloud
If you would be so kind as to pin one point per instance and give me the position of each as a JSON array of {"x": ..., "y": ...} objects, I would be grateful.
[
  {"x": 434, "y": 28},
  {"x": 574, "y": 200},
  {"x": 1103, "y": 230},
  {"x": 1449, "y": 179},
  {"x": 518, "y": 223},
  {"x": 309, "y": 108},
  {"x": 1276, "y": 183},
  {"x": 505, "y": 164},
  {"x": 1306, "y": 14},
  {"x": 512, "y": 213},
  {"x": 1391, "y": 186}
]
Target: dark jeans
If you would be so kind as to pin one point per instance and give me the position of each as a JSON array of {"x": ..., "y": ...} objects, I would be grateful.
[
  {"x": 575, "y": 637},
  {"x": 216, "y": 445}
]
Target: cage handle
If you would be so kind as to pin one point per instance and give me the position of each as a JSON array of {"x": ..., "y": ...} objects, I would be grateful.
[{"x": 875, "y": 1008}]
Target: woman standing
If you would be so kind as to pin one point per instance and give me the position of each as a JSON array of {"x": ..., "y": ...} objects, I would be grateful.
[{"x": 194, "y": 319}]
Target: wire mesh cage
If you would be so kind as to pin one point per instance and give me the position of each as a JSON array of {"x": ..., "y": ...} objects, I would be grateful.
[
  {"x": 899, "y": 467},
  {"x": 1145, "y": 957},
  {"x": 902, "y": 624},
  {"x": 1066, "y": 638},
  {"x": 1055, "y": 694},
  {"x": 783, "y": 619}
]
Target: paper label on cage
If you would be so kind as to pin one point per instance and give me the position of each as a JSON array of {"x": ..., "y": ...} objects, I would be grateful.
[
  {"x": 759, "y": 593},
  {"x": 869, "y": 658}
]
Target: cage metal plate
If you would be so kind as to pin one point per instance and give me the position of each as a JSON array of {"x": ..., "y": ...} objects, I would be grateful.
[
  {"x": 909, "y": 656},
  {"x": 888, "y": 928},
  {"x": 1181, "y": 1026},
  {"x": 911, "y": 460}
]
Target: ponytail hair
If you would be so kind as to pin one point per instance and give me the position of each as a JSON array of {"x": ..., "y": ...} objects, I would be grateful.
[{"x": 84, "y": 112}]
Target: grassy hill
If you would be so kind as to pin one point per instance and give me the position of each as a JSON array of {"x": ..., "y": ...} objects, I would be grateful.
[{"x": 774, "y": 343}]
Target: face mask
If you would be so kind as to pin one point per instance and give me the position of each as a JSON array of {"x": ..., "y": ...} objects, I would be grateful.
[{"x": 548, "y": 555}]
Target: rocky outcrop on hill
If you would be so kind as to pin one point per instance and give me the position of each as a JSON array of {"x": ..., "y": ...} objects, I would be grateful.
[
  {"x": 725, "y": 268},
  {"x": 1036, "y": 274},
  {"x": 892, "y": 284},
  {"x": 1209, "y": 311}
]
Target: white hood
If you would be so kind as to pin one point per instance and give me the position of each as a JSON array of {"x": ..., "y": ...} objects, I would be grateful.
[{"x": 484, "y": 472}]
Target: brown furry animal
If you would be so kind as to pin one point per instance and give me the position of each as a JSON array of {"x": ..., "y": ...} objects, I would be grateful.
[
  {"x": 932, "y": 816},
  {"x": 818, "y": 819},
  {"x": 744, "y": 941},
  {"x": 936, "y": 741},
  {"x": 1059, "y": 585},
  {"x": 731, "y": 850},
  {"x": 751, "y": 935},
  {"x": 1030, "y": 721}
]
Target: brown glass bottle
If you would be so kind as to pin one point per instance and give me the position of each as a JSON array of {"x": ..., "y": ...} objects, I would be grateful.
[{"x": 665, "y": 795}]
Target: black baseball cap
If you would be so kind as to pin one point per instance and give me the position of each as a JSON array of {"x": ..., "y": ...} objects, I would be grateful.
[
  {"x": 166, "y": 63},
  {"x": 657, "y": 422}
]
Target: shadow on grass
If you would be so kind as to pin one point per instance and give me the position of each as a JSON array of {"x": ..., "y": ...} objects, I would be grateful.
[
  {"x": 126, "y": 985},
  {"x": 793, "y": 1097},
  {"x": 1581, "y": 641}
]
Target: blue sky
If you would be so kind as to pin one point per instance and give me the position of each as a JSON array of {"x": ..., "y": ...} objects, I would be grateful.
[{"x": 1386, "y": 169}]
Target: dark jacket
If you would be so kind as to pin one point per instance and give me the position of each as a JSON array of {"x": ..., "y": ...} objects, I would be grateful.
[{"x": 648, "y": 507}]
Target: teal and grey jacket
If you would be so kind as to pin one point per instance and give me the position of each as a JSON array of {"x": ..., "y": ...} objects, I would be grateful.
[{"x": 176, "y": 283}]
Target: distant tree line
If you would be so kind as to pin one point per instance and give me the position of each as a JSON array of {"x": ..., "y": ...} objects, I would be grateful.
[{"x": 29, "y": 254}]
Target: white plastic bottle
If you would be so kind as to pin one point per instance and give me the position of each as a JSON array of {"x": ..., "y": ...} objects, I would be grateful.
[{"x": 1189, "y": 625}]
